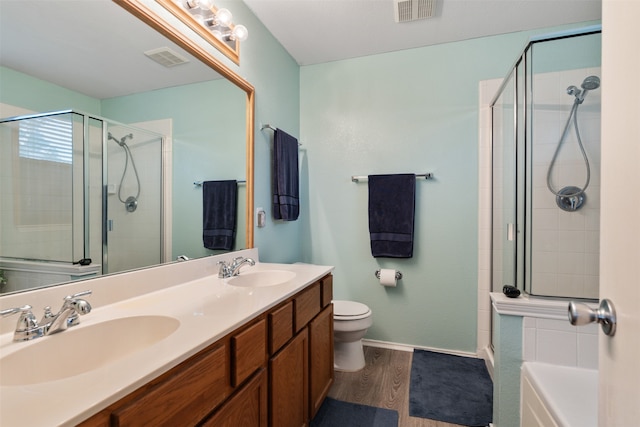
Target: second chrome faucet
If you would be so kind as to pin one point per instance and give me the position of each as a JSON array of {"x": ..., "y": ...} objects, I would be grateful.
[{"x": 233, "y": 269}]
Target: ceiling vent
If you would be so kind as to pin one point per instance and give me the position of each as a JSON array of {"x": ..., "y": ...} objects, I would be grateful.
[
  {"x": 412, "y": 10},
  {"x": 167, "y": 57}
]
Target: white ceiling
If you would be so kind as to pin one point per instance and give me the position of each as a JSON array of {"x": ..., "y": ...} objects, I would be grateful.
[
  {"x": 96, "y": 47},
  {"x": 317, "y": 31},
  {"x": 91, "y": 46}
]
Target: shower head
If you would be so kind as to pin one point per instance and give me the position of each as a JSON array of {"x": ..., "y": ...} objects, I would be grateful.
[
  {"x": 591, "y": 83},
  {"x": 121, "y": 141}
]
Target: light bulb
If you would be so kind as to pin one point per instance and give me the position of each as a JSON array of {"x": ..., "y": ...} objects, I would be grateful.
[
  {"x": 199, "y": 18},
  {"x": 224, "y": 17},
  {"x": 217, "y": 34},
  {"x": 205, "y": 4},
  {"x": 240, "y": 33}
]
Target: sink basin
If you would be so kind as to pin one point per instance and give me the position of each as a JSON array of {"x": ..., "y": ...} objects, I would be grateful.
[
  {"x": 76, "y": 351},
  {"x": 256, "y": 279}
]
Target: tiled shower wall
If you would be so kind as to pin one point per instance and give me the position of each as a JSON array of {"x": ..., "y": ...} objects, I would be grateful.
[
  {"x": 558, "y": 342},
  {"x": 134, "y": 240},
  {"x": 564, "y": 245}
]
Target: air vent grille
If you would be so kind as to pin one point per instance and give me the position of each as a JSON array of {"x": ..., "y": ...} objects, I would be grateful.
[
  {"x": 167, "y": 57},
  {"x": 411, "y": 10}
]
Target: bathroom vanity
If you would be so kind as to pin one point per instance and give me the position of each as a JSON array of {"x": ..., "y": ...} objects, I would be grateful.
[{"x": 255, "y": 353}]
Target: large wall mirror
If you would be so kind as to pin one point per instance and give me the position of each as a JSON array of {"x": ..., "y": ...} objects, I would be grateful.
[{"x": 150, "y": 114}]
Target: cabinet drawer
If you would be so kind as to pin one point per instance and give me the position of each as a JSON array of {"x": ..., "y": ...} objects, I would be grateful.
[
  {"x": 280, "y": 327},
  {"x": 185, "y": 397},
  {"x": 248, "y": 352},
  {"x": 307, "y": 305},
  {"x": 327, "y": 290}
]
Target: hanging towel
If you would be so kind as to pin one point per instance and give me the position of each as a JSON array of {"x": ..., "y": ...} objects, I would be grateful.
[
  {"x": 219, "y": 212},
  {"x": 391, "y": 215},
  {"x": 286, "y": 197}
]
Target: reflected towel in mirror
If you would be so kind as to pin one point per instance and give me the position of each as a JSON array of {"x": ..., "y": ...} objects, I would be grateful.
[{"x": 219, "y": 213}]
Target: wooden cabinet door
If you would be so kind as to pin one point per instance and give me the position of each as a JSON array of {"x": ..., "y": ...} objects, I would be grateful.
[
  {"x": 320, "y": 358},
  {"x": 248, "y": 408},
  {"x": 289, "y": 384},
  {"x": 248, "y": 352}
]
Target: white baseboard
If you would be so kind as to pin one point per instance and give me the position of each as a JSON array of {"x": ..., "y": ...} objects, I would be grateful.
[
  {"x": 407, "y": 347},
  {"x": 487, "y": 354}
]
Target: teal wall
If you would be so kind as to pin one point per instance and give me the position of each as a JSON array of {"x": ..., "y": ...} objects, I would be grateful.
[
  {"x": 408, "y": 111},
  {"x": 507, "y": 332},
  {"x": 37, "y": 95}
]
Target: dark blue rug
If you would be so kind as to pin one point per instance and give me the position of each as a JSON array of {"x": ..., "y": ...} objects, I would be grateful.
[
  {"x": 449, "y": 388},
  {"x": 336, "y": 413}
]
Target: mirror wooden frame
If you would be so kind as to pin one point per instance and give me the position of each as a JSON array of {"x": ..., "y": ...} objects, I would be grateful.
[
  {"x": 148, "y": 16},
  {"x": 231, "y": 50}
]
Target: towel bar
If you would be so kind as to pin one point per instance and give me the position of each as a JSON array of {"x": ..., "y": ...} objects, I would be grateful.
[
  {"x": 199, "y": 183},
  {"x": 268, "y": 126},
  {"x": 359, "y": 178}
]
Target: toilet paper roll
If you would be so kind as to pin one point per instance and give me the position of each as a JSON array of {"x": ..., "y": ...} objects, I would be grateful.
[{"x": 388, "y": 277}]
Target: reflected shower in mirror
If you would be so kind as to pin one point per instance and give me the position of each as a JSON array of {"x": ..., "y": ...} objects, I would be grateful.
[{"x": 189, "y": 123}]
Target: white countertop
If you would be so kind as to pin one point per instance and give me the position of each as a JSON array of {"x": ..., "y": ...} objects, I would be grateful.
[{"x": 207, "y": 308}]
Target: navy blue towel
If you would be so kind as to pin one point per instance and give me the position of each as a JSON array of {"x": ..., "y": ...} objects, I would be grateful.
[
  {"x": 286, "y": 195},
  {"x": 391, "y": 215},
  {"x": 219, "y": 212}
]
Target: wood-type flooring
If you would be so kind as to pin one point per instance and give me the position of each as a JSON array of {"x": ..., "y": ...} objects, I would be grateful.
[{"x": 384, "y": 383}]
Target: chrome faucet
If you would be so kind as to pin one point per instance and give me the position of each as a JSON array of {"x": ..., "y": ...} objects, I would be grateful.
[
  {"x": 69, "y": 314},
  {"x": 233, "y": 269},
  {"x": 29, "y": 328}
]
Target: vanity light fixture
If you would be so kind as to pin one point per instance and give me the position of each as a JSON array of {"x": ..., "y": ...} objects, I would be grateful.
[
  {"x": 218, "y": 21},
  {"x": 213, "y": 24}
]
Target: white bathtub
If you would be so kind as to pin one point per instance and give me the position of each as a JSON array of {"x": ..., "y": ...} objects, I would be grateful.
[{"x": 561, "y": 395}]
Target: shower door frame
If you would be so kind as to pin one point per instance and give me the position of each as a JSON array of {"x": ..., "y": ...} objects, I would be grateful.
[
  {"x": 523, "y": 155},
  {"x": 86, "y": 118}
]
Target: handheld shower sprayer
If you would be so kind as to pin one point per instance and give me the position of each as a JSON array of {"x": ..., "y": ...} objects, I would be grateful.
[
  {"x": 588, "y": 84},
  {"x": 131, "y": 202},
  {"x": 571, "y": 198}
]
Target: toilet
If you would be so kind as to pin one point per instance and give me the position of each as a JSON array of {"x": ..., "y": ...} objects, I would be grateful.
[{"x": 350, "y": 323}]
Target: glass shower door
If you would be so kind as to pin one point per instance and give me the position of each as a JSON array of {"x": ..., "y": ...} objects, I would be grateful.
[
  {"x": 133, "y": 199},
  {"x": 40, "y": 200},
  {"x": 504, "y": 188}
]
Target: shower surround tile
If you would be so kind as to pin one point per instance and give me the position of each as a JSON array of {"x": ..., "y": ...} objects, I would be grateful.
[
  {"x": 565, "y": 245},
  {"x": 560, "y": 343}
]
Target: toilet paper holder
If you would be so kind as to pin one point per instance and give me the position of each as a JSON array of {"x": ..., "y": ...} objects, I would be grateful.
[{"x": 398, "y": 275}]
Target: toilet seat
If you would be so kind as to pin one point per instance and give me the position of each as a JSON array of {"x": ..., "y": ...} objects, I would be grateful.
[{"x": 350, "y": 310}]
